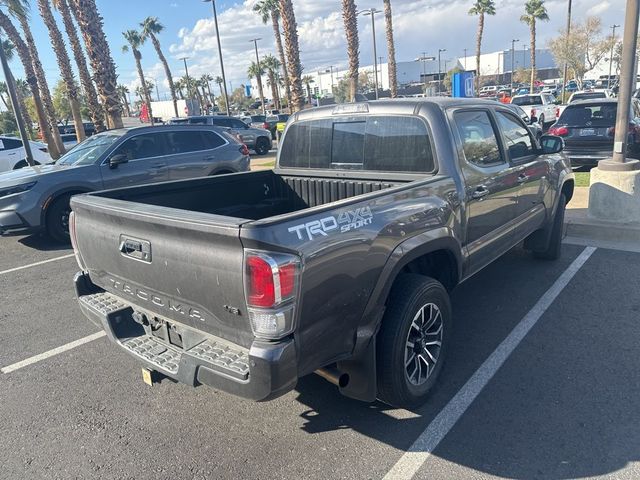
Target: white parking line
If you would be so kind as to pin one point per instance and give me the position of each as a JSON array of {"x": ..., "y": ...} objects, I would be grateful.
[
  {"x": 52, "y": 352},
  {"x": 423, "y": 447},
  {"x": 3, "y": 272}
]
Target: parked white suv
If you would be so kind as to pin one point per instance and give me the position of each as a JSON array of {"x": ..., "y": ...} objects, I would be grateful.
[
  {"x": 540, "y": 106},
  {"x": 12, "y": 155}
]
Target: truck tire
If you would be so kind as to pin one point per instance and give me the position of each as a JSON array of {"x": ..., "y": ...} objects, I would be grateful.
[
  {"x": 554, "y": 247},
  {"x": 262, "y": 146},
  {"x": 57, "y": 221},
  {"x": 413, "y": 340}
]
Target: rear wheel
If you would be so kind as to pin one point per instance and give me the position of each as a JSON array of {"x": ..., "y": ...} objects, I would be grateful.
[
  {"x": 57, "y": 221},
  {"x": 413, "y": 340},
  {"x": 23, "y": 164},
  {"x": 262, "y": 146}
]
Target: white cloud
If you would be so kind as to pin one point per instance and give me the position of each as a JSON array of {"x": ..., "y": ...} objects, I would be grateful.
[{"x": 418, "y": 26}]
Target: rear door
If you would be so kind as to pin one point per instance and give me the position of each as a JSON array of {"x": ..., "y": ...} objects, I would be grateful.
[
  {"x": 491, "y": 186},
  {"x": 194, "y": 153},
  {"x": 532, "y": 170},
  {"x": 146, "y": 155},
  {"x": 11, "y": 152}
]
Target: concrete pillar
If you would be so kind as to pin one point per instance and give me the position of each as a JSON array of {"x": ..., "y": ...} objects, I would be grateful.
[{"x": 615, "y": 195}]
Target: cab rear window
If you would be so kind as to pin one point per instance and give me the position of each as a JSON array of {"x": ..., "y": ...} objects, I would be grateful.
[
  {"x": 374, "y": 143},
  {"x": 527, "y": 100}
]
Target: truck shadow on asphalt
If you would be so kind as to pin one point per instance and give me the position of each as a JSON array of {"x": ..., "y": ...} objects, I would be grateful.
[
  {"x": 43, "y": 243},
  {"x": 557, "y": 425}
]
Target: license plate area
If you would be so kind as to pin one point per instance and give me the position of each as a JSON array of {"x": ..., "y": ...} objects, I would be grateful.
[{"x": 587, "y": 132}]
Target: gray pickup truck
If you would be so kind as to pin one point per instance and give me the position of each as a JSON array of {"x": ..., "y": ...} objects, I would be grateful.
[{"x": 340, "y": 261}]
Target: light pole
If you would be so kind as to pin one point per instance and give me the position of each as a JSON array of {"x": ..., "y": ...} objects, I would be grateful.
[
  {"x": 372, "y": 12},
  {"x": 513, "y": 56},
  {"x": 424, "y": 59},
  {"x": 565, "y": 67},
  {"x": 440, "y": 50},
  {"x": 11, "y": 87},
  {"x": 259, "y": 75},
  {"x": 186, "y": 74},
  {"x": 224, "y": 79},
  {"x": 613, "y": 41}
]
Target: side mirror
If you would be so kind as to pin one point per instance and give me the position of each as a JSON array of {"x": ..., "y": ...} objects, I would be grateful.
[
  {"x": 117, "y": 160},
  {"x": 533, "y": 120},
  {"x": 551, "y": 144}
]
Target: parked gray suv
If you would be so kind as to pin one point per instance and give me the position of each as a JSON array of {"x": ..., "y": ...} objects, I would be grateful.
[
  {"x": 257, "y": 139},
  {"x": 37, "y": 198}
]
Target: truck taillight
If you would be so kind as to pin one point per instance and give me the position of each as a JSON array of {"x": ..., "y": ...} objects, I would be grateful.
[
  {"x": 533, "y": 112},
  {"x": 74, "y": 240},
  {"x": 271, "y": 284}
]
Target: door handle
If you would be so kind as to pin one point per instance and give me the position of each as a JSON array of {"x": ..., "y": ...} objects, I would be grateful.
[
  {"x": 210, "y": 157},
  {"x": 480, "y": 192},
  {"x": 11, "y": 154},
  {"x": 523, "y": 178}
]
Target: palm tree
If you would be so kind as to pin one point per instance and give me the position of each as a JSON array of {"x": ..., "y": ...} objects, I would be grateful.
[
  {"x": 257, "y": 71},
  {"x": 350, "y": 17},
  {"x": 134, "y": 39},
  {"x": 272, "y": 65},
  {"x": 219, "y": 81},
  {"x": 391, "y": 49},
  {"x": 202, "y": 83},
  {"x": 534, "y": 10},
  {"x": 64, "y": 64},
  {"x": 45, "y": 94},
  {"x": 4, "y": 90},
  {"x": 481, "y": 8},
  {"x": 179, "y": 86},
  {"x": 25, "y": 58},
  {"x": 86, "y": 83},
  {"x": 151, "y": 27},
  {"x": 308, "y": 80},
  {"x": 268, "y": 10},
  {"x": 206, "y": 80},
  {"x": 123, "y": 90},
  {"x": 104, "y": 70},
  {"x": 294, "y": 68},
  {"x": 24, "y": 91}
]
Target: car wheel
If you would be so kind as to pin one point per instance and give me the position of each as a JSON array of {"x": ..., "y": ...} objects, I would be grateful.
[
  {"x": 554, "y": 247},
  {"x": 57, "y": 221},
  {"x": 413, "y": 340},
  {"x": 23, "y": 164},
  {"x": 262, "y": 146}
]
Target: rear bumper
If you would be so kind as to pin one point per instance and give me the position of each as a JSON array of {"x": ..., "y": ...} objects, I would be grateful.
[
  {"x": 264, "y": 371},
  {"x": 587, "y": 157}
]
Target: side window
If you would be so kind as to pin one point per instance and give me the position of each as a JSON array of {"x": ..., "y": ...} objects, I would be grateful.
[
  {"x": 198, "y": 121},
  {"x": 186, "y": 141},
  {"x": 479, "y": 140},
  {"x": 517, "y": 136},
  {"x": 212, "y": 140},
  {"x": 11, "y": 144},
  {"x": 237, "y": 124},
  {"x": 142, "y": 146}
]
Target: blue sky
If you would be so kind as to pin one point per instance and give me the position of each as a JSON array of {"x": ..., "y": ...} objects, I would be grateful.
[{"x": 419, "y": 26}]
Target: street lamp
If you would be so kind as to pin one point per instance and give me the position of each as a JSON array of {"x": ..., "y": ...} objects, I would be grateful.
[
  {"x": 613, "y": 40},
  {"x": 186, "y": 73},
  {"x": 259, "y": 75},
  {"x": 440, "y": 50},
  {"x": 424, "y": 59},
  {"x": 513, "y": 56},
  {"x": 224, "y": 79},
  {"x": 372, "y": 12}
]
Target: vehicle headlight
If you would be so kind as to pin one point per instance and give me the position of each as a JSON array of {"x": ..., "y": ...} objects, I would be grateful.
[{"x": 17, "y": 189}]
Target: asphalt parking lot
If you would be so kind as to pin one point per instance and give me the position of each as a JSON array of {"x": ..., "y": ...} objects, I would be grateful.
[{"x": 542, "y": 381}]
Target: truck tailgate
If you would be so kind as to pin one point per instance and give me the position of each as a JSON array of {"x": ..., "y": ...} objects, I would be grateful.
[{"x": 181, "y": 266}]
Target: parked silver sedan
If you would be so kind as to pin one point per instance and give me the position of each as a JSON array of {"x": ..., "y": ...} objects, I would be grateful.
[{"x": 37, "y": 198}]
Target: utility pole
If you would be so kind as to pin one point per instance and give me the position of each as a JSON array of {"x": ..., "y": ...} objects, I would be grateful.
[
  {"x": 11, "y": 87},
  {"x": 372, "y": 12},
  {"x": 613, "y": 41},
  {"x": 564, "y": 72},
  {"x": 259, "y": 75},
  {"x": 224, "y": 78},
  {"x": 513, "y": 56},
  {"x": 440, "y": 50},
  {"x": 186, "y": 74}
]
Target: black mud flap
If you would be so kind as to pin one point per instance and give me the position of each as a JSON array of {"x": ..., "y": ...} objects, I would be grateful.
[{"x": 362, "y": 375}]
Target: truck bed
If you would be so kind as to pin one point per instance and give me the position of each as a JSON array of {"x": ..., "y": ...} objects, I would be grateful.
[{"x": 252, "y": 196}]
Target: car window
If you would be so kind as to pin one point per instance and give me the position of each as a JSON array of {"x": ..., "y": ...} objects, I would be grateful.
[
  {"x": 273, "y": 118},
  {"x": 479, "y": 141},
  {"x": 258, "y": 118},
  {"x": 185, "y": 142},
  {"x": 596, "y": 115},
  {"x": 375, "y": 143},
  {"x": 11, "y": 144},
  {"x": 239, "y": 124},
  {"x": 518, "y": 138},
  {"x": 587, "y": 96},
  {"x": 88, "y": 152},
  {"x": 212, "y": 140},
  {"x": 198, "y": 121},
  {"x": 527, "y": 100},
  {"x": 146, "y": 145}
]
